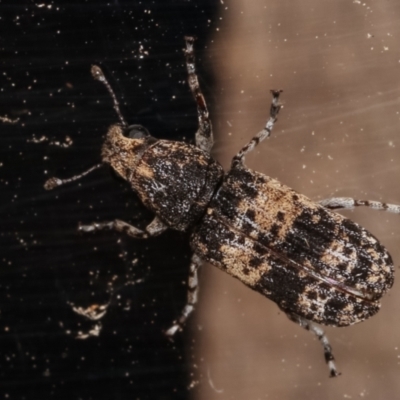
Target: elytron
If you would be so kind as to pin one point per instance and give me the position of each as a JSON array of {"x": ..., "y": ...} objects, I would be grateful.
[{"x": 316, "y": 265}]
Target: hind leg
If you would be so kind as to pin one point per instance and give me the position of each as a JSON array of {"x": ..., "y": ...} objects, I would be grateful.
[
  {"x": 337, "y": 203},
  {"x": 320, "y": 334}
]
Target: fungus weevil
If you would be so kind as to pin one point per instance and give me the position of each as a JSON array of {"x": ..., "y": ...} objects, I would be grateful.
[{"x": 316, "y": 265}]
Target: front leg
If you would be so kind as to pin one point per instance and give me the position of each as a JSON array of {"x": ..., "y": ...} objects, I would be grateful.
[
  {"x": 204, "y": 134},
  {"x": 154, "y": 228},
  {"x": 193, "y": 290}
]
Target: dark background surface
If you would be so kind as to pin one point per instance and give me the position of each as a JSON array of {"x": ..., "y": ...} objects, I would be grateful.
[{"x": 47, "y": 51}]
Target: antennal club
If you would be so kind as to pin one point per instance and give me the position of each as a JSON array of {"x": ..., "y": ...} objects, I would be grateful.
[
  {"x": 98, "y": 74},
  {"x": 54, "y": 182}
]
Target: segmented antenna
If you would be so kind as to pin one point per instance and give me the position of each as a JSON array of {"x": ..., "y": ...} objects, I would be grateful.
[
  {"x": 98, "y": 74},
  {"x": 54, "y": 182}
]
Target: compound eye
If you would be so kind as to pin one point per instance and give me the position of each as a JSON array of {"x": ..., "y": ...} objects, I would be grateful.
[{"x": 136, "y": 132}]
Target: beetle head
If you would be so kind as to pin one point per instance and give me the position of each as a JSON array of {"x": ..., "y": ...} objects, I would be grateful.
[{"x": 124, "y": 146}]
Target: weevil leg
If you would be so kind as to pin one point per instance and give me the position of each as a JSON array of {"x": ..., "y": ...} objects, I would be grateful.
[
  {"x": 204, "y": 135},
  {"x": 320, "y": 334},
  {"x": 337, "y": 203},
  {"x": 154, "y": 228},
  {"x": 238, "y": 160},
  {"x": 193, "y": 291}
]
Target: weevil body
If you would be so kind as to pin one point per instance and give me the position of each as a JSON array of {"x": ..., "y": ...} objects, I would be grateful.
[{"x": 316, "y": 265}]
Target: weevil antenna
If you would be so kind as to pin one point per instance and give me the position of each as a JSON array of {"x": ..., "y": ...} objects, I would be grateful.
[
  {"x": 54, "y": 182},
  {"x": 98, "y": 74}
]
